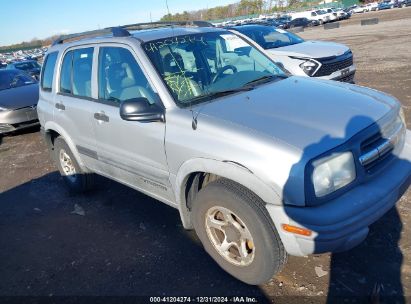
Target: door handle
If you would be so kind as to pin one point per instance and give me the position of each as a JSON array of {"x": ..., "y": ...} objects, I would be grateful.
[
  {"x": 101, "y": 117},
  {"x": 60, "y": 106}
]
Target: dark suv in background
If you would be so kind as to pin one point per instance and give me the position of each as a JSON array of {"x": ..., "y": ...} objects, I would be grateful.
[{"x": 31, "y": 67}]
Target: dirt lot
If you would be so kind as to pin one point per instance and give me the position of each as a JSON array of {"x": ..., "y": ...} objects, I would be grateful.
[{"x": 129, "y": 244}]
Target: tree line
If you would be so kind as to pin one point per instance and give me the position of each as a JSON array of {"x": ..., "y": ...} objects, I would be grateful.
[
  {"x": 28, "y": 45},
  {"x": 241, "y": 8}
]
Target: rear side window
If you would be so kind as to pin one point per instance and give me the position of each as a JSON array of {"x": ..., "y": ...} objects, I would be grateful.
[
  {"x": 82, "y": 66},
  {"x": 76, "y": 70},
  {"x": 65, "y": 74},
  {"x": 48, "y": 71}
]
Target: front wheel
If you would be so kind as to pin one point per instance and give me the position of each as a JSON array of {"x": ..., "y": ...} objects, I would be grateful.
[{"x": 236, "y": 230}]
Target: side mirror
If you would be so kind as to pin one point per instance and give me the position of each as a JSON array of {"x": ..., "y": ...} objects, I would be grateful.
[{"x": 139, "y": 109}]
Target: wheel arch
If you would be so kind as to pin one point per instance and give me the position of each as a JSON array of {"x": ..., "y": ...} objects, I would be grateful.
[
  {"x": 52, "y": 131},
  {"x": 193, "y": 171}
]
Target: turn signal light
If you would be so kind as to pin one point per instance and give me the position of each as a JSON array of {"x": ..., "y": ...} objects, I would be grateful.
[{"x": 296, "y": 230}]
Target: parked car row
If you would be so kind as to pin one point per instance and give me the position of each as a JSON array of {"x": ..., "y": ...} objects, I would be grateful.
[
  {"x": 294, "y": 19},
  {"x": 260, "y": 163},
  {"x": 27, "y": 61},
  {"x": 377, "y": 6},
  {"x": 21, "y": 55}
]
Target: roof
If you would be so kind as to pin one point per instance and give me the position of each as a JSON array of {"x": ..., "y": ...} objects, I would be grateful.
[
  {"x": 142, "y": 31},
  {"x": 161, "y": 33}
]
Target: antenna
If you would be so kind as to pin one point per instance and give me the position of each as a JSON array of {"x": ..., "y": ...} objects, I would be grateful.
[{"x": 168, "y": 9}]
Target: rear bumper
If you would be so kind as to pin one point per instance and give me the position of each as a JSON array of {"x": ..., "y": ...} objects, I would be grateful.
[{"x": 342, "y": 223}]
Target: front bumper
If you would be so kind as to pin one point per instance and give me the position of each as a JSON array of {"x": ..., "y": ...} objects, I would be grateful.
[
  {"x": 13, "y": 120},
  {"x": 342, "y": 223}
]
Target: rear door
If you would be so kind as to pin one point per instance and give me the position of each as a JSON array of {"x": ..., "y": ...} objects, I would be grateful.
[
  {"x": 74, "y": 106},
  {"x": 128, "y": 151}
]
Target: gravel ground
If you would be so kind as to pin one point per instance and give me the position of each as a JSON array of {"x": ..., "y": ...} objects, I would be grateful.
[{"x": 129, "y": 244}]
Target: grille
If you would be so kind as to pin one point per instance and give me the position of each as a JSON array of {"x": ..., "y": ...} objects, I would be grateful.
[
  {"x": 329, "y": 66},
  {"x": 379, "y": 147}
]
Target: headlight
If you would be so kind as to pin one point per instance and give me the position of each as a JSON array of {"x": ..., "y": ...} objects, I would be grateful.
[
  {"x": 3, "y": 109},
  {"x": 333, "y": 174},
  {"x": 309, "y": 67}
]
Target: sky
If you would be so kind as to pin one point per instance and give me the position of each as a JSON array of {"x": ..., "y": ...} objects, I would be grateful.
[{"x": 28, "y": 19}]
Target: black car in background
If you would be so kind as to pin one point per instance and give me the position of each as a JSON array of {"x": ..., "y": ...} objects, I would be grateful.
[
  {"x": 3, "y": 65},
  {"x": 31, "y": 67},
  {"x": 301, "y": 22}
]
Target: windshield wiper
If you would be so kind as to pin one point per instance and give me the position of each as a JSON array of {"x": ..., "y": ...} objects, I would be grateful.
[
  {"x": 264, "y": 78},
  {"x": 219, "y": 94}
]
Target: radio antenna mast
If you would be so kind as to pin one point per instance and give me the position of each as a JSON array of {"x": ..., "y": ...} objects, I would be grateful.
[{"x": 168, "y": 9}]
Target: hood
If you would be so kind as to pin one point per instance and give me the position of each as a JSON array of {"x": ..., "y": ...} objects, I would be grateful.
[
  {"x": 20, "y": 97},
  {"x": 302, "y": 111},
  {"x": 311, "y": 49}
]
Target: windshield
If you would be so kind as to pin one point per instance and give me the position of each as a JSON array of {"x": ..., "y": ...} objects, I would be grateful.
[
  {"x": 270, "y": 37},
  {"x": 321, "y": 12},
  {"x": 13, "y": 79},
  {"x": 200, "y": 67},
  {"x": 25, "y": 66}
]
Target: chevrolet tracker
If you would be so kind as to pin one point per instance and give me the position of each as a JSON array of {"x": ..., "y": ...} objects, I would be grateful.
[{"x": 260, "y": 164}]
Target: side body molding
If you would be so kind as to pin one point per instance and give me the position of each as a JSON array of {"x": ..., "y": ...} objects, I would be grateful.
[{"x": 227, "y": 169}]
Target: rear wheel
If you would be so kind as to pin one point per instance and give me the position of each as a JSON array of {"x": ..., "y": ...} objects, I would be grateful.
[
  {"x": 237, "y": 232},
  {"x": 76, "y": 179}
]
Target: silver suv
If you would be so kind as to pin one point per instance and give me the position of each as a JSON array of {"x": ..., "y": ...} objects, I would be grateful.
[{"x": 258, "y": 163}]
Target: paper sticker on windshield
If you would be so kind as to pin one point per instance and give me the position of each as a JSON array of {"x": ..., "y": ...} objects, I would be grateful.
[
  {"x": 233, "y": 42},
  {"x": 281, "y": 31}
]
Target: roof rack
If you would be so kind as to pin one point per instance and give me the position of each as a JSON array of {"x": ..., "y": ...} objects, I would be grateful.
[{"x": 123, "y": 30}]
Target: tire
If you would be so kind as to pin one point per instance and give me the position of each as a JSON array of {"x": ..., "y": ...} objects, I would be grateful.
[
  {"x": 75, "y": 178},
  {"x": 265, "y": 252}
]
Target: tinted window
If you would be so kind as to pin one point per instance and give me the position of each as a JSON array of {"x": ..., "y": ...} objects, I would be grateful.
[
  {"x": 82, "y": 66},
  {"x": 120, "y": 77},
  {"x": 65, "y": 74},
  {"x": 48, "y": 71}
]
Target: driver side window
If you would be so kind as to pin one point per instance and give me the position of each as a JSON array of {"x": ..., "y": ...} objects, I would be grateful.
[{"x": 120, "y": 78}]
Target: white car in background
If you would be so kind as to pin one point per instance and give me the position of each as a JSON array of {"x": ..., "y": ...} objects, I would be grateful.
[
  {"x": 328, "y": 16},
  {"x": 359, "y": 9},
  {"x": 337, "y": 12},
  {"x": 312, "y": 15},
  {"x": 320, "y": 59},
  {"x": 371, "y": 6}
]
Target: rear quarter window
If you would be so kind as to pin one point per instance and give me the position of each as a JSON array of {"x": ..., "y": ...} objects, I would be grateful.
[{"x": 47, "y": 74}]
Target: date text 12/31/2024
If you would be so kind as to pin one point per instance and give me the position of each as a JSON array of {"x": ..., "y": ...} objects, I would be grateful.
[{"x": 199, "y": 299}]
